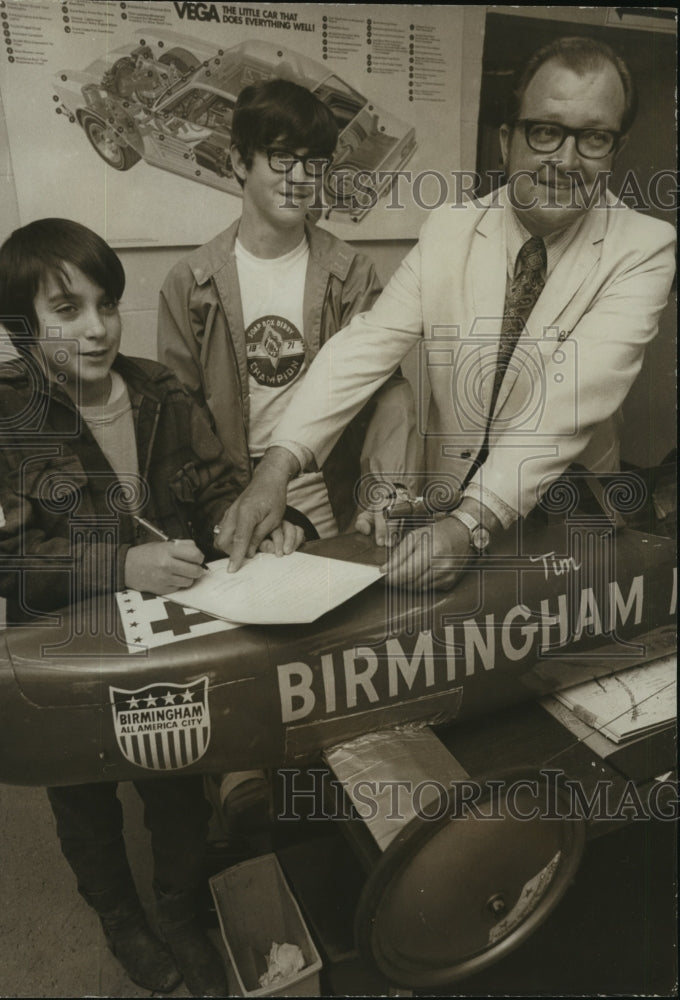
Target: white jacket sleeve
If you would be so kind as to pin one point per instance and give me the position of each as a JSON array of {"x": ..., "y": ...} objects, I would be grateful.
[{"x": 354, "y": 364}]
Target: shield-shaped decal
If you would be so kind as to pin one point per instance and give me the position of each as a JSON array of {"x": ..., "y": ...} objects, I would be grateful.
[{"x": 162, "y": 727}]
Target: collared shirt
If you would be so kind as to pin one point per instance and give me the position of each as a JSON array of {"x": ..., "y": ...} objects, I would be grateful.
[{"x": 555, "y": 243}]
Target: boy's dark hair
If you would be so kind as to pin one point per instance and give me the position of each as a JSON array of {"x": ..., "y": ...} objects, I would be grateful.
[
  {"x": 40, "y": 249},
  {"x": 280, "y": 112},
  {"x": 580, "y": 54}
]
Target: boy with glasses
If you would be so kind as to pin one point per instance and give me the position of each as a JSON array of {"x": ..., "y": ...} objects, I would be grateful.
[{"x": 241, "y": 318}]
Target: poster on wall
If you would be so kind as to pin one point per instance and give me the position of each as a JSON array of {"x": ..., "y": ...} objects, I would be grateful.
[{"x": 119, "y": 113}]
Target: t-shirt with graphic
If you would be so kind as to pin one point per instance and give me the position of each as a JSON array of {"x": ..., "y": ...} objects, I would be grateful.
[{"x": 272, "y": 297}]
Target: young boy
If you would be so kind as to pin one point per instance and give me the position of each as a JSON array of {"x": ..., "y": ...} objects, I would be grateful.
[
  {"x": 241, "y": 319},
  {"x": 81, "y": 425}
]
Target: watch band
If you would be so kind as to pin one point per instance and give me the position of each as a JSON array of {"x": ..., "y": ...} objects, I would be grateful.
[{"x": 479, "y": 535}]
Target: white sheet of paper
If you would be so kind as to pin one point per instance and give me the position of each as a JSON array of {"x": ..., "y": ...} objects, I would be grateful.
[{"x": 271, "y": 590}]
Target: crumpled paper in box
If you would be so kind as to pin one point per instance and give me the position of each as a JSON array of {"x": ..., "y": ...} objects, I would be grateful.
[{"x": 283, "y": 961}]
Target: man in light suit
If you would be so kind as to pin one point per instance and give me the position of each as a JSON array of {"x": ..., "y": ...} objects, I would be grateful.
[{"x": 533, "y": 306}]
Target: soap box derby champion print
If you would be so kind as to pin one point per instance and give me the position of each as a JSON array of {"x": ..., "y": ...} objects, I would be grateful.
[
  {"x": 169, "y": 101},
  {"x": 275, "y": 351}
]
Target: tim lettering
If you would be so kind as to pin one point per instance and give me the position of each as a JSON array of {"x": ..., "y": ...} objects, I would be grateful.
[{"x": 556, "y": 565}]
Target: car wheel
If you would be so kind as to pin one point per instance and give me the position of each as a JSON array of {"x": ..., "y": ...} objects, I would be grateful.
[
  {"x": 183, "y": 60},
  {"x": 117, "y": 154}
]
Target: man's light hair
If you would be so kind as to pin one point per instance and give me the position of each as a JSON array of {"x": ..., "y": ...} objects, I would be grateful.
[{"x": 581, "y": 55}]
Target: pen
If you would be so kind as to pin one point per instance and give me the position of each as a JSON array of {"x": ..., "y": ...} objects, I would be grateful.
[
  {"x": 152, "y": 528},
  {"x": 157, "y": 532}
]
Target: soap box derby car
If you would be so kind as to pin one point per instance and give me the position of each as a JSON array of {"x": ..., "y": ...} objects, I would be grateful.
[
  {"x": 77, "y": 706},
  {"x": 169, "y": 100},
  {"x": 360, "y": 688}
]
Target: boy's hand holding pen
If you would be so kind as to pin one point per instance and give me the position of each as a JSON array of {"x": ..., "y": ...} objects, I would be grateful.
[{"x": 163, "y": 566}]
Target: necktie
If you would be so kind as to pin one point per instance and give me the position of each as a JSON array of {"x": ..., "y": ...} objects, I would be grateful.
[{"x": 520, "y": 298}]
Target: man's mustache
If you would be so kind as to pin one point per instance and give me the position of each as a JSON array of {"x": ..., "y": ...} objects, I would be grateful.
[{"x": 575, "y": 191}]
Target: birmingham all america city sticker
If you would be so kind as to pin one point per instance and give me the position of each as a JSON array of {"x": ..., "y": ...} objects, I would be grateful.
[{"x": 162, "y": 727}]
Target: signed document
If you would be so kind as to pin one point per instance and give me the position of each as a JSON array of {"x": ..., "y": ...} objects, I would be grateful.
[{"x": 269, "y": 590}]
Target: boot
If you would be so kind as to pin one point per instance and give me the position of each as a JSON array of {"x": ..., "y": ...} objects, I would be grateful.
[
  {"x": 146, "y": 961},
  {"x": 196, "y": 957}
]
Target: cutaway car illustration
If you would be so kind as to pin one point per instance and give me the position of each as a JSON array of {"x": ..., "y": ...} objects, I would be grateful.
[{"x": 169, "y": 101}]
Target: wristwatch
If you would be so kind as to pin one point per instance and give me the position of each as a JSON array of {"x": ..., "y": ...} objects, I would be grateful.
[{"x": 479, "y": 535}]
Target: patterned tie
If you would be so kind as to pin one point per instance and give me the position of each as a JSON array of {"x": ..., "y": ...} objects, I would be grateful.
[{"x": 520, "y": 298}]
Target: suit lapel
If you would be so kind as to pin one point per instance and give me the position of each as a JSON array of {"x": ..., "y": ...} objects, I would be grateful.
[
  {"x": 562, "y": 286},
  {"x": 488, "y": 265},
  {"x": 565, "y": 281}
]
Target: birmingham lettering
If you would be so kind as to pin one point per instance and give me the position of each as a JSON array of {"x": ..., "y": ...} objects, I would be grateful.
[
  {"x": 371, "y": 675},
  {"x": 151, "y": 719}
]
